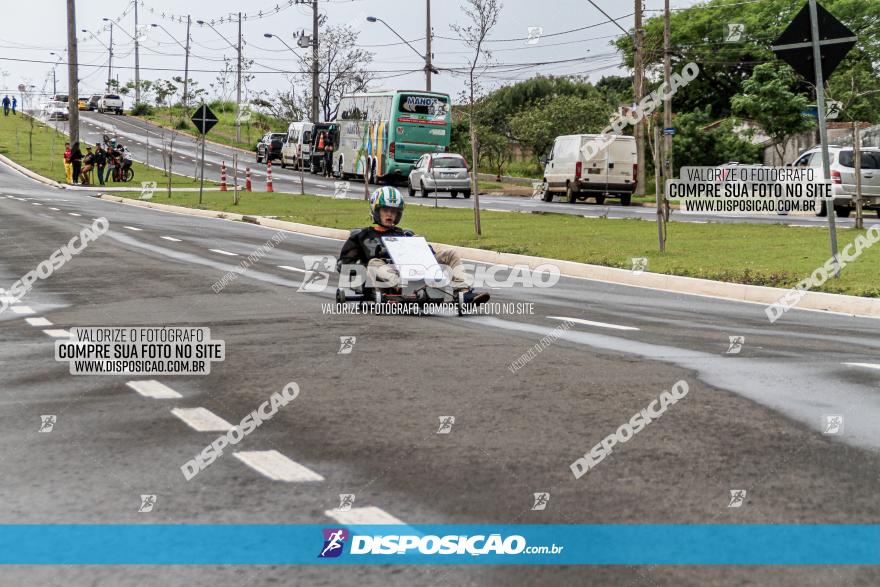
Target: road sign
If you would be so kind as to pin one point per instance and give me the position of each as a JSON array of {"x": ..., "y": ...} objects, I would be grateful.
[
  {"x": 669, "y": 131},
  {"x": 795, "y": 47},
  {"x": 833, "y": 109},
  {"x": 204, "y": 119},
  {"x": 734, "y": 33}
]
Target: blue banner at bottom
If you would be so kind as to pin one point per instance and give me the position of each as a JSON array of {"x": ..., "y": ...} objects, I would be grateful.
[{"x": 161, "y": 544}]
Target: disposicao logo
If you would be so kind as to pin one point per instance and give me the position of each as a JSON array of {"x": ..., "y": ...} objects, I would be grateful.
[{"x": 334, "y": 542}]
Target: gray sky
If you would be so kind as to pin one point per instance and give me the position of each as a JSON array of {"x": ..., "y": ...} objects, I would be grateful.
[{"x": 32, "y": 34}]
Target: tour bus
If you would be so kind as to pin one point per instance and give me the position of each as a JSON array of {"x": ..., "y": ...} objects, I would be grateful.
[{"x": 383, "y": 134}]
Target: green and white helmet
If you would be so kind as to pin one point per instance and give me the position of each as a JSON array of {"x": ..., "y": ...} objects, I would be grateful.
[{"x": 386, "y": 197}]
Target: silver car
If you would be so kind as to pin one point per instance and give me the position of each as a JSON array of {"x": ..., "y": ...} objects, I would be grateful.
[
  {"x": 843, "y": 176},
  {"x": 440, "y": 172}
]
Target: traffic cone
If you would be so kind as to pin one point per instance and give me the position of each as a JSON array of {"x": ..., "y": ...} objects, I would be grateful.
[
  {"x": 269, "y": 177},
  {"x": 247, "y": 180},
  {"x": 223, "y": 177}
]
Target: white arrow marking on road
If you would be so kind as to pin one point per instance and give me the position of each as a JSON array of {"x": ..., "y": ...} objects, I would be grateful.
[
  {"x": 865, "y": 365},
  {"x": 133, "y": 228},
  {"x": 38, "y": 322},
  {"x": 222, "y": 252},
  {"x": 22, "y": 310},
  {"x": 154, "y": 389},
  {"x": 367, "y": 515},
  {"x": 58, "y": 333},
  {"x": 276, "y": 466},
  {"x": 591, "y": 323},
  {"x": 172, "y": 239},
  {"x": 202, "y": 420},
  {"x": 289, "y": 268}
]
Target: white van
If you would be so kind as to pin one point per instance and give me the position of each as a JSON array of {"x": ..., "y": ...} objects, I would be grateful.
[
  {"x": 298, "y": 146},
  {"x": 611, "y": 172}
]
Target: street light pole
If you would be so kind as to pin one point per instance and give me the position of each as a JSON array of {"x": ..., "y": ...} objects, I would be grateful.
[
  {"x": 110, "y": 62},
  {"x": 238, "y": 90},
  {"x": 72, "y": 74},
  {"x": 428, "y": 65},
  {"x": 186, "y": 61},
  {"x": 315, "y": 98},
  {"x": 137, "y": 59}
]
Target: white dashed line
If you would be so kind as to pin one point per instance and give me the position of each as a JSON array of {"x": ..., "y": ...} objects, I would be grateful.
[
  {"x": 591, "y": 323},
  {"x": 22, "y": 310},
  {"x": 276, "y": 466},
  {"x": 223, "y": 252},
  {"x": 865, "y": 365},
  {"x": 202, "y": 419},
  {"x": 133, "y": 228},
  {"x": 171, "y": 238},
  {"x": 36, "y": 203},
  {"x": 38, "y": 321},
  {"x": 74, "y": 214},
  {"x": 289, "y": 268},
  {"x": 367, "y": 515},
  {"x": 154, "y": 389},
  {"x": 56, "y": 209},
  {"x": 58, "y": 333}
]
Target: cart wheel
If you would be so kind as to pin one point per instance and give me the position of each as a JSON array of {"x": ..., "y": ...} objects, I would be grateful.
[{"x": 340, "y": 296}]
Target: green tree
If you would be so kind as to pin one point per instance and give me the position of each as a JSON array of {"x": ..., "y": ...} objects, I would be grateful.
[
  {"x": 537, "y": 127},
  {"x": 695, "y": 145},
  {"x": 768, "y": 99}
]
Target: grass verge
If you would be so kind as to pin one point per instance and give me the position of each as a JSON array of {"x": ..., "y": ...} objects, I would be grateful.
[
  {"x": 224, "y": 131},
  {"x": 770, "y": 255},
  {"x": 41, "y": 149}
]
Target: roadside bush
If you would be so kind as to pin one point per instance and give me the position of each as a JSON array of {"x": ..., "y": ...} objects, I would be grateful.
[
  {"x": 181, "y": 124},
  {"x": 142, "y": 109}
]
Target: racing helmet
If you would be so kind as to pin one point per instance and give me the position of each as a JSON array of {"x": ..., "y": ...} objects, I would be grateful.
[{"x": 386, "y": 197}]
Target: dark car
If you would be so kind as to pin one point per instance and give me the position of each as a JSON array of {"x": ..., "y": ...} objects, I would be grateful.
[
  {"x": 93, "y": 102},
  {"x": 270, "y": 146},
  {"x": 324, "y": 134}
]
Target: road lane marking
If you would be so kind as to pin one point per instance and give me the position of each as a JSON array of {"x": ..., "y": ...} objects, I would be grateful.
[
  {"x": 172, "y": 239},
  {"x": 365, "y": 515},
  {"x": 133, "y": 228},
  {"x": 202, "y": 420},
  {"x": 276, "y": 466},
  {"x": 60, "y": 333},
  {"x": 36, "y": 203},
  {"x": 591, "y": 323},
  {"x": 222, "y": 252},
  {"x": 22, "y": 310},
  {"x": 865, "y": 365},
  {"x": 38, "y": 321},
  {"x": 153, "y": 389},
  {"x": 289, "y": 268},
  {"x": 56, "y": 209},
  {"x": 74, "y": 214}
]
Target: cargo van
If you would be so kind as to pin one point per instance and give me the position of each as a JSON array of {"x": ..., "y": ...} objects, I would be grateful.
[
  {"x": 298, "y": 146},
  {"x": 610, "y": 173}
]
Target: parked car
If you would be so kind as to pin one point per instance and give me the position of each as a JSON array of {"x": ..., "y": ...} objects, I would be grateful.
[
  {"x": 94, "y": 100},
  {"x": 270, "y": 146},
  {"x": 60, "y": 98},
  {"x": 323, "y": 134},
  {"x": 440, "y": 172},
  {"x": 611, "y": 172},
  {"x": 110, "y": 103},
  {"x": 298, "y": 146},
  {"x": 843, "y": 176},
  {"x": 82, "y": 104},
  {"x": 56, "y": 111}
]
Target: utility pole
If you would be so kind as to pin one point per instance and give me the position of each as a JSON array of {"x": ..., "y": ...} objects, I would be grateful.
[
  {"x": 186, "y": 68},
  {"x": 667, "y": 104},
  {"x": 72, "y": 74},
  {"x": 238, "y": 91},
  {"x": 428, "y": 65},
  {"x": 137, "y": 58},
  {"x": 639, "y": 94},
  {"x": 315, "y": 98},
  {"x": 110, "y": 62},
  {"x": 54, "y": 85},
  {"x": 661, "y": 217}
]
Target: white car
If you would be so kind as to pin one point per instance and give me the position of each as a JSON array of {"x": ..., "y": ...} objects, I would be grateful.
[
  {"x": 56, "y": 111},
  {"x": 611, "y": 172},
  {"x": 298, "y": 146},
  {"x": 843, "y": 176},
  {"x": 110, "y": 103}
]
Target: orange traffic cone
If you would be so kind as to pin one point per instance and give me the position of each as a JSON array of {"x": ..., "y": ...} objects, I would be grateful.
[
  {"x": 223, "y": 177},
  {"x": 269, "y": 177},
  {"x": 247, "y": 180}
]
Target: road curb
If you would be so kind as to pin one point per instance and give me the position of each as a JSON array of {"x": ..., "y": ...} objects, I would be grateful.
[
  {"x": 845, "y": 304},
  {"x": 28, "y": 173}
]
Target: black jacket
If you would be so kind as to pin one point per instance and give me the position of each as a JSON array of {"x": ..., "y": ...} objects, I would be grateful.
[
  {"x": 100, "y": 158},
  {"x": 365, "y": 244}
]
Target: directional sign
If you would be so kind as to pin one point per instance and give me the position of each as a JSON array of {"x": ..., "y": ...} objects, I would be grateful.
[
  {"x": 795, "y": 47},
  {"x": 669, "y": 131},
  {"x": 833, "y": 109},
  {"x": 204, "y": 119}
]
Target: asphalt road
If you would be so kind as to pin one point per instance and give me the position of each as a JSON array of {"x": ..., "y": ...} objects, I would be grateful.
[
  {"x": 367, "y": 421},
  {"x": 142, "y": 138}
]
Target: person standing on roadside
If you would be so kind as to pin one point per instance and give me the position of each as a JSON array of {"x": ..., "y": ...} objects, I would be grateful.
[
  {"x": 68, "y": 167},
  {"x": 88, "y": 163},
  {"x": 100, "y": 160},
  {"x": 14, "y": 104},
  {"x": 6, "y": 104},
  {"x": 76, "y": 157}
]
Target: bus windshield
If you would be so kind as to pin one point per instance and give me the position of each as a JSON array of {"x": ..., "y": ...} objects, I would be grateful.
[{"x": 423, "y": 108}]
